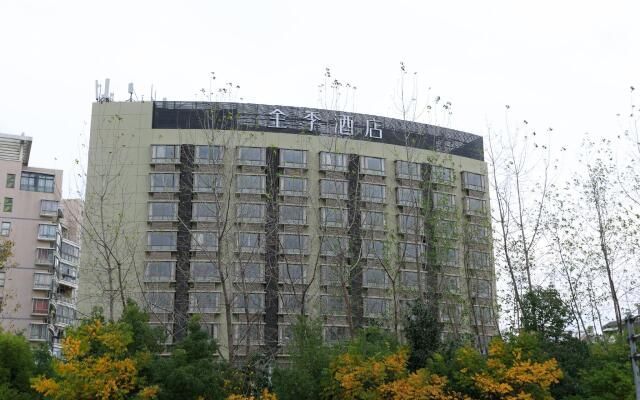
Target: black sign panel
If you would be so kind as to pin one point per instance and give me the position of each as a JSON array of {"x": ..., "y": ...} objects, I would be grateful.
[{"x": 313, "y": 121}]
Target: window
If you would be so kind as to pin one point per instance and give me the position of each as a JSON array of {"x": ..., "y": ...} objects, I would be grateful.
[
  {"x": 411, "y": 224},
  {"x": 481, "y": 289},
  {"x": 249, "y": 272},
  {"x": 5, "y": 229},
  {"x": 290, "y": 186},
  {"x": 333, "y": 245},
  {"x": 205, "y": 211},
  {"x": 163, "y": 211},
  {"x": 479, "y": 233},
  {"x": 373, "y": 249},
  {"x": 290, "y": 303},
  {"x": 38, "y": 332},
  {"x": 293, "y": 215},
  {"x": 162, "y": 241},
  {"x": 165, "y": 154},
  {"x": 373, "y": 193},
  {"x": 374, "y": 307},
  {"x": 40, "y": 306},
  {"x": 446, "y": 229},
  {"x": 251, "y": 184},
  {"x": 211, "y": 328},
  {"x": 11, "y": 181},
  {"x": 254, "y": 302},
  {"x": 473, "y": 181},
  {"x": 44, "y": 256},
  {"x": 68, "y": 273},
  {"x": 473, "y": 206},
  {"x": 409, "y": 197},
  {"x": 2, "y": 277},
  {"x": 285, "y": 334},
  {"x": 334, "y": 305},
  {"x": 69, "y": 252},
  {"x": 292, "y": 243},
  {"x": 479, "y": 259},
  {"x": 444, "y": 201},
  {"x": 450, "y": 284},
  {"x": 203, "y": 302},
  {"x": 409, "y": 278},
  {"x": 160, "y": 302},
  {"x": 448, "y": 256},
  {"x": 65, "y": 314},
  {"x": 250, "y": 212},
  {"x": 372, "y": 165},
  {"x": 167, "y": 182},
  {"x": 334, "y": 217},
  {"x": 333, "y": 161},
  {"x": 251, "y": 156},
  {"x": 374, "y": 277},
  {"x": 333, "y": 334},
  {"x": 247, "y": 333},
  {"x": 408, "y": 170},
  {"x": 409, "y": 251},
  {"x": 209, "y": 154},
  {"x": 204, "y": 271},
  {"x": 483, "y": 315},
  {"x": 441, "y": 174},
  {"x": 291, "y": 273},
  {"x": 42, "y": 281},
  {"x": 159, "y": 271},
  {"x": 36, "y": 182},
  {"x": 332, "y": 274},
  {"x": 47, "y": 232},
  {"x": 250, "y": 241},
  {"x": 450, "y": 312},
  {"x": 372, "y": 220},
  {"x": 8, "y": 204},
  {"x": 204, "y": 241},
  {"x": 49, "y": 207},
  {"x": 293, "y": 158},
  {"x": 332, "y": 189},
  {"x": 207, "y": 183}
]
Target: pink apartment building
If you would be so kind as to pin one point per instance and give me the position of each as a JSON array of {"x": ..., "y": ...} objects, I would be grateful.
[{"x": 38, "y": 284}]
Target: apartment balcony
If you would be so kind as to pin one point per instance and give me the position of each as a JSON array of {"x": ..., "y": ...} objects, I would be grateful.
[
  {"x": 40, "y": 306},
  {"x": 44, "y": 256},
  {"x": 66, "y": 301},
  {"x": 68, "y": 277}
]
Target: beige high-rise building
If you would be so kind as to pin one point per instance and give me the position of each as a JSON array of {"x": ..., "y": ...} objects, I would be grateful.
[
  {"x": 38, "y": 283},
  {"x": 251, "y": 215}
]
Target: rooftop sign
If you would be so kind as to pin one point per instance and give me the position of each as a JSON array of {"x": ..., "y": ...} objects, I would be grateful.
[{"x": 312, "y": 121}]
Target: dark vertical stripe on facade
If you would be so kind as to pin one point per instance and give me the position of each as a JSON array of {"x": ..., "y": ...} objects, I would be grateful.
[
  {"x": 355, "y": 241},
  {"x": 181, "y": 301},
  {"x": 271, "y": 253},
  {"x": 430, "y": 265}
]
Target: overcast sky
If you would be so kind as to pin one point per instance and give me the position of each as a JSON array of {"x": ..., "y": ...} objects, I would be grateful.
[{"x": 561, "y": 64}]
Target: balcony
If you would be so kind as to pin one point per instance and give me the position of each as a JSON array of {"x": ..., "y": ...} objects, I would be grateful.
[
  {"x": 69, "y": 252},
  {"x": 44, "y": 256},
  {"x": 39, "y": 306},
  {"x": 42, "y": 281},
  {"x": 49, "y": 208},
  {"x": 47, "y": 232},
  {"x": 68, "y": 276}
]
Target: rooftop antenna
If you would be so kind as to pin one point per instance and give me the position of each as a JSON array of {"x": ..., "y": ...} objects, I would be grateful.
[
  {"x": 103, "y": 96},
  {"x": 130, "y": 90},
  {"x": 106, "y": 90}
]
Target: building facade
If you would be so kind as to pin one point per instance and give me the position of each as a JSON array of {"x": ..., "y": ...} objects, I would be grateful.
[
  {"x": 251, "y": 215},
  {"x": 38, "y": 283}
]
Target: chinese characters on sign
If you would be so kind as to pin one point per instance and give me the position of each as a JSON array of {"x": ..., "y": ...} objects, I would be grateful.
[{"x": 344, "y": 124}]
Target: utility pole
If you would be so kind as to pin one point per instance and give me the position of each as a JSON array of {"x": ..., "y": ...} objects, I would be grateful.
[{"x": 632, "y": 337}]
